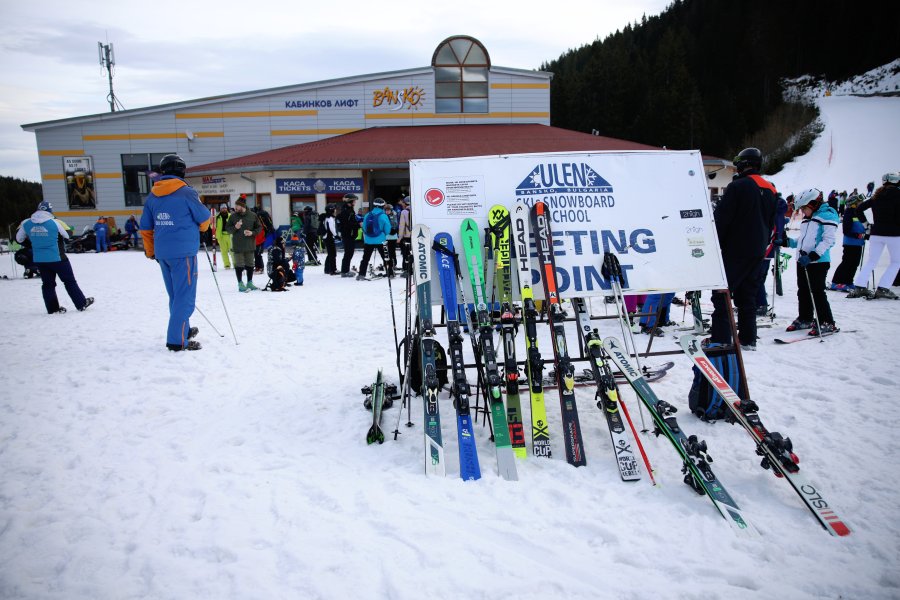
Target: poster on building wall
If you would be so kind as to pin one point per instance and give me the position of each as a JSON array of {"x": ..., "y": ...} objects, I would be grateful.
[
  {"x": 79, "y": 174},
  {"x": 650, "y": 208}
]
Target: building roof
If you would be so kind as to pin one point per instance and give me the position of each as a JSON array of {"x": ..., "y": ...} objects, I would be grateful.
[{"x": 394, "y": 147}]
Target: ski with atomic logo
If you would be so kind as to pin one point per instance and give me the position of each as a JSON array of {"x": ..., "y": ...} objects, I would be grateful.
[
  {"x": 565, "y": 371},
  {"x": 434, "y": 448}
]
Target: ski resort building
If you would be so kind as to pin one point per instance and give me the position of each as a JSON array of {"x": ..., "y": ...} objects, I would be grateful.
[{"x": 306, "y": 144}]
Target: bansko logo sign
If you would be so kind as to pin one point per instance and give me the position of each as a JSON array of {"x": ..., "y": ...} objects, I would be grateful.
[
  {"x": 569, "y": 189},
  {"x": 434, "y": 197}
]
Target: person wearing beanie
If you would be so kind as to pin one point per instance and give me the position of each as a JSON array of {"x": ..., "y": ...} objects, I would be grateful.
[
  {"x": 223, "y": 235},
  {"x": 376, "y": 227},
  {"x": 46, "y": 235},
  {"x": 243, "y": 225},
  {"x": 171, "y": 224}
]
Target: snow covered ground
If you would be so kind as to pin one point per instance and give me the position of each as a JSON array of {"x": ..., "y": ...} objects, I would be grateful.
[{"x": 241, "y": 471}]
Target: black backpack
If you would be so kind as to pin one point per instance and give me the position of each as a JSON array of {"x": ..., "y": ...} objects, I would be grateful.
[
  {"x": 415, "y": 366},
  {"x": 705, "y": 402}
]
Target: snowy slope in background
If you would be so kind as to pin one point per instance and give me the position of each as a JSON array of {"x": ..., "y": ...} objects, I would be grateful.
[
  {"x": 861, "y": 139},
  {"x": 242, "y": 471}
]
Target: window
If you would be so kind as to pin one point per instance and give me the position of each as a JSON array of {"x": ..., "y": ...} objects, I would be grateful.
[
  {"x": 461, "y": 66},
  {"x": 136, "y": 170}
]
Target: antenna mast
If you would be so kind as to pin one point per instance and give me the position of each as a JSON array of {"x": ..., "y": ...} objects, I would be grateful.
[{"x": 108, "y": 60}]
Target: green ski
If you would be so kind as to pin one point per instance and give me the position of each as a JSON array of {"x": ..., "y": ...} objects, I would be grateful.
[
  {"x": 375, "y": 434},
  {"x": 506, "y": 458}
]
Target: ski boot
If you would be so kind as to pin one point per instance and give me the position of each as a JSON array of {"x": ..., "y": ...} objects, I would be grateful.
[
  {"x": 87, "y": 302},
  {"x": 191, "y": 345},
  {"x": 861, "y": 292},
  {"x": 884, "y": 292},
  {"x": 242, "y": 287},
  {"x": 798, "y": 325},
  {"x": 251, "y": 287},
  {"x": 824, "y": 329}
]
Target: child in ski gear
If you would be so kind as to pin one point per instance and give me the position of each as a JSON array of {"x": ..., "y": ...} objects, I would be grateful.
[
  {"x": 171, "y": 224},
  {"x": 885, "y": 205},
  {"x": 782, "y": 216},
  {"x": 376, "y": 227},
  {"x": 223, "y": 235},
  {"x": 278, "y": 267},
  {"x": 101, "y": 231},
  {"x": 244, "y": 226},
  {"x": 298, "y": 258},
  {"x": 854, "y": 229},
  {"x": 817, "y": 235},
  {"x": 745, "y": 220},
  {"x": 46, "y": 235}
]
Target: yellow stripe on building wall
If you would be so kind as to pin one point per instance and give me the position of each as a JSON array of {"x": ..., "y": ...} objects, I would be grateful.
[
  {"x": 247, "y": 113},
  {"x": 520, "y": 86},
  {"x": 145, "y": 136},
  {"x": 493, "y": 115},
  {"x": 61, "y": 152},
  {"x": 312, "y": 131}
]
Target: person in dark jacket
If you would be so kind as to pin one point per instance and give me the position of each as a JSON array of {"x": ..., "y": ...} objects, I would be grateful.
[
  {"x": 349, "y": 228},
  {"x": 311, "y": 231},
  {"x": 132, "y": 228},
  {"x": 328, "y": 239},
  {"x": 244, "y": 227},
  {"x": 854, "y": 229},
  {"x": 745, "y": 221},
  {"x": 885, "y": 233},
  {"x": 171, "y": 224},
  {"x": 46, "y": 235}
]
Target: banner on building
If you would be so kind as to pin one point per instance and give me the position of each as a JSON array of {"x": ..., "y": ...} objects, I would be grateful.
[
  {"x": 312, "y": 186},
  {"x": 650, "y": 208},
  {"x": 79, "y": 174}
]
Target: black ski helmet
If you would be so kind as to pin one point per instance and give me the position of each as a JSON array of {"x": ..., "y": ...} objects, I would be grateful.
[
  {"x": 748, "y": 157},
  {"x": 172, "y": 164}
]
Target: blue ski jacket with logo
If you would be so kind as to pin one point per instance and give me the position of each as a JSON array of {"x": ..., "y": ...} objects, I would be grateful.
[
  {"x": 46, "y": 235},
  {"x": 172, "y": 220}
]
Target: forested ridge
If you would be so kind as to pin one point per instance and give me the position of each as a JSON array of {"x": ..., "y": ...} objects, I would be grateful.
[{"x": 707, "y": 73}]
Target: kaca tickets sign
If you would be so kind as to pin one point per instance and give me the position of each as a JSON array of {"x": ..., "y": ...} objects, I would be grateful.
[{"x": 650, "y": 208}]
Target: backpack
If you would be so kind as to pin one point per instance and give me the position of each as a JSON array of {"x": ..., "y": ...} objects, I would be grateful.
[
  {"x": 703, "y": 401},
  {"x": 415, "y": 365},
  {"x": 371, "y": 226}
]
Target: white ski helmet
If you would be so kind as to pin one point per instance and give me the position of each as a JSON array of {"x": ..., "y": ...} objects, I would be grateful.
[
  {"x": 807, "y": 197},
  {"x": 892, "y": 178}
]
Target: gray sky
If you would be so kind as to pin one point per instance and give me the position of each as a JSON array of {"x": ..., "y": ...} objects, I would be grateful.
[{"x": 170, "y": 51}]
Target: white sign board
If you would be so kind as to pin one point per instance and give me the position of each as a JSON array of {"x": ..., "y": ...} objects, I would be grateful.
[{"x": 650, "y": 208}]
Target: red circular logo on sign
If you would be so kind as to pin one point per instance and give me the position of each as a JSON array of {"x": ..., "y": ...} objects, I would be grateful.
[{"x": 434, "y": 197}]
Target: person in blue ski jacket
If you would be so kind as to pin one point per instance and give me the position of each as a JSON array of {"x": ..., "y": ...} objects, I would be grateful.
[
  {"x": 818, "y": 232},
  {"x": 132, "y": 228},
  {"x": 171, "y": 223},
  {"x": 376, "y": 227},
  {"x": 101, "y": 233},
  {"x": 853, "y": 226},
  {"x": 46, "y": 235}
]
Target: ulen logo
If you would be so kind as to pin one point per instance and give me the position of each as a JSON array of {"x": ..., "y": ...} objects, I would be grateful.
[
  {"x": 434, "y": 197},
  {"x": 563, "y": 178}
]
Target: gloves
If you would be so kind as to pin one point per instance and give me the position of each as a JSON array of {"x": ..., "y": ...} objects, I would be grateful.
[
  {"x": 247, "y": 233},
  {"x": 803, "y": 259}
]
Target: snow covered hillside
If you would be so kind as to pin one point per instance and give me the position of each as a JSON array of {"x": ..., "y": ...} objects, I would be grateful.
[{"x": 241, "y": 471}]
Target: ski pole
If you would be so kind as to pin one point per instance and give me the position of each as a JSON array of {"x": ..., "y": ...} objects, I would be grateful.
[
  {"x": 197, "y": 308},
  {"x": 382, "y": 251},
  {"x": 222, "y": 298},
  {"x": 812, "y": 299}
]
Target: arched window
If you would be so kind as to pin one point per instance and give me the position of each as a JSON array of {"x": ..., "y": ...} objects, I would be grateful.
[{"x": 461, "y": 66}]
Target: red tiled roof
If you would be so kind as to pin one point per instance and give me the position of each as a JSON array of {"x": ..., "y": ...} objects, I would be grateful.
[{"x": 392, "y": 146}]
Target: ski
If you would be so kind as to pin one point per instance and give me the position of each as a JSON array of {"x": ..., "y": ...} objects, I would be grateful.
[
  {"x": 608, "y": 400},
  {"x": 499, "y": 222},
  {"x": 434, "y": 449},
  {"x": 534, "y": 364},
  {"x": 565, "y": 371},
  {"x": 697, "y": 472},
  {"x": 776, "y": 450},
  {"x": 805, "y": 336},
  {"x": 375, "y": 434},
  {"x": 448, "y": 272},
  {"x": 481, "y": 322}
]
